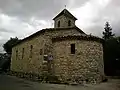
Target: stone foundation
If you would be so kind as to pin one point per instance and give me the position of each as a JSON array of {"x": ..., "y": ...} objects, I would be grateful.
[
  {"x": 51, "y": 78},
  {"x": 35, "y": 77}
]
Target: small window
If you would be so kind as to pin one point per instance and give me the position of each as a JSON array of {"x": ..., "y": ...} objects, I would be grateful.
[
  {"x": 72, "y": 48},
  {"x": 69, "y": 23},
  {"x": 58, "y": 23},
  {"x": 31, "y": 47},
  {"x": 40, "y": 51},
  {"x": 22, "y": 53},
  {"x": 16, "y": 54}
]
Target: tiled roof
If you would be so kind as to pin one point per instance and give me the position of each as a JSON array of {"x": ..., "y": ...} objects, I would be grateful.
[
  {"x": 66, "y": 13},
  {"x": 78, "y": 37},
  {"x": 48, "y": 29}
]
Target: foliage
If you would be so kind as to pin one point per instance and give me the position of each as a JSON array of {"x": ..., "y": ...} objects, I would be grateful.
[
  {"x": 4, "y": 62},
  {"x": 9, "y": 44},
  {"x": 112, "y": 57},
  {"x": 111, "y": 49},
  {"x": 107, "y": 34}
]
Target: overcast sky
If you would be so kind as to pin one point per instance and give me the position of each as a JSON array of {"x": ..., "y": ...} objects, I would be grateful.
[{"x": 22, "y": 18}]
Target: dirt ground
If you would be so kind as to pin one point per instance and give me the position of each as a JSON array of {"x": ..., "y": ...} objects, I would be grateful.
[{"x": 13, "y": 83}]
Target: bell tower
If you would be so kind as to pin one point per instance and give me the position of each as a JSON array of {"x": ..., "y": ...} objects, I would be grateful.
[{"x": 64, "y": 20}]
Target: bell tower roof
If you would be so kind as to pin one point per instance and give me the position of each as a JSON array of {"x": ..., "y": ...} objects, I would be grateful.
[{"x": 66, "y": 13}]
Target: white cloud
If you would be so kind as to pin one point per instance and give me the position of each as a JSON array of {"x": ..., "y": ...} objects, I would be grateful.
[
  {"x": 89, "y": 12},
  {"x": 22, "y": 18},
  {"x": 13, "y": 26},
  {"x": 40, "y": 24}
]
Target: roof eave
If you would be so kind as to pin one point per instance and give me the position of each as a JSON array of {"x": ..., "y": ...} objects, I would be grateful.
[{"x": 58, "y": 16}]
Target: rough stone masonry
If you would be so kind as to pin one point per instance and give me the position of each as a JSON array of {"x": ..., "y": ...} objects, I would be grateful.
[{"x": 65, "y": 52}]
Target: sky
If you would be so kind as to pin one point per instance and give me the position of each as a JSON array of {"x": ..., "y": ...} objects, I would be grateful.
[{"x": 22, "y": 18}]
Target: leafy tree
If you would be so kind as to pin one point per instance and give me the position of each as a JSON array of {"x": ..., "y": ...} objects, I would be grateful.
[
  {"x": 107, "y": 34},
  {"x": 111, "y": 48},
  {"x": 112, "y": 57},
  {"x": 9, "y": 44}
]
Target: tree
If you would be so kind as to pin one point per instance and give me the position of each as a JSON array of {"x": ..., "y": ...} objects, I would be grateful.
[
  {"x": 9, "y": 44},
  {"x": 107, "y": 34},
  {"x": 112, "y": 57},
  {"x": 109, "y": 49}
]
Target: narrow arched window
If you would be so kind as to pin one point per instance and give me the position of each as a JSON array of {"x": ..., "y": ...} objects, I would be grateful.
[
  {"x": 72, "y": 48},
  {"x": 16, "y": 54},
  {"x": 31, "y": 48},
  {"x": 41, "y": 52},
  {"x": 69, "y": 23},
  {"x": 58, "y": 23},
  {"x": 22, "y": 53}
]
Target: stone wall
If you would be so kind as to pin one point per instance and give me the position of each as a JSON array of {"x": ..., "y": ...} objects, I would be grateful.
[
  {"x": 28, "y": 63},
  {"x": 63, "y": 22},
  {"x": 85, "y": 65},
  {"x": 36, "y": 63}
]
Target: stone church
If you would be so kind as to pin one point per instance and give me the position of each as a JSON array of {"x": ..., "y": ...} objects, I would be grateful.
[{"x": 64, "y": 51}]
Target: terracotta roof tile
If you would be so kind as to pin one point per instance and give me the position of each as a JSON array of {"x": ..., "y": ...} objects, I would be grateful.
[
  {"x": 48, "y": 29},
  {"x": 66, "y": 13}
]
